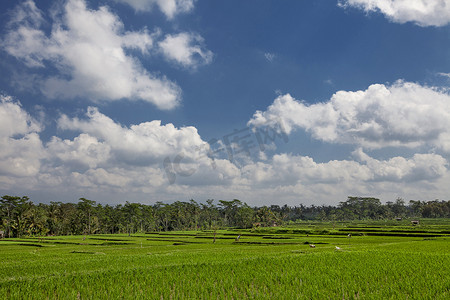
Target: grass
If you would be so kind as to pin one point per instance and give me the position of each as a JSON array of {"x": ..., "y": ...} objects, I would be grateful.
[{"x": 268, "y": 263}]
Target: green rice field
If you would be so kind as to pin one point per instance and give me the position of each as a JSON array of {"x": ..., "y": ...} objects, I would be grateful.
[{"x": 379, "y": 260}]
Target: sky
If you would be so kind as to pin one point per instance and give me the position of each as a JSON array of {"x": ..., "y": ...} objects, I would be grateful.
[{"x": 265, "y": 101}]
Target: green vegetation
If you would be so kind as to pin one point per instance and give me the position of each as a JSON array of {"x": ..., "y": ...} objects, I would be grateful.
[
  {"x": 379, "y": 260},
  {"x": 20, "y": 217}
]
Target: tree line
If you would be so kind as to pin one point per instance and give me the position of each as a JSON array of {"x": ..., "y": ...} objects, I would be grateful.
[{"x": 19, "y": 216}]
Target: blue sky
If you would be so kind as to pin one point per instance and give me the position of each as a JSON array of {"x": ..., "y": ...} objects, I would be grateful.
[{"x": 164, "y": 100}]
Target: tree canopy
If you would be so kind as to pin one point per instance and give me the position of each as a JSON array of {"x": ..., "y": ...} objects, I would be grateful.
[{"x": 19, "y": 216}]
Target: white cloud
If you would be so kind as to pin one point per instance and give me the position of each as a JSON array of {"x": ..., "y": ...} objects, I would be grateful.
[
  {"x": 403, "y": 114},
  {"x": 84, "y": 151},
  {"x": 444, "y": 74},
  {"x": 25, "y": 40},
  {"x": 421, "y": 12},
  {"x": 169, "y": 7},
  {"x": 110, "y": 162},
  {"x": 287, "y": 170},
  {"x": 186, "y": 49},
  {"x": 294, "y": 179},
  {"x": 14, "y": 120},
  {"x": 20, "y": 144},
  {"x": 419, "y": 167},
  {"x": 89, "y": 49},
  {"x": 106, "y": 153},
  {"x": 269, "y": 56},
  {"x": 142, "y": 144},
  {"x": 100, "y": 177}
]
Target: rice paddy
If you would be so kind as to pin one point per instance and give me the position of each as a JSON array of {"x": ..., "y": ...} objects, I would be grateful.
[{"x": 376, "y": 261}]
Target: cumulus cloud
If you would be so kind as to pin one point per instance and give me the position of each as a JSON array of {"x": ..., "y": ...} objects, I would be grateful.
[
  {"x": 403, "y": 114},
  {"x": 20, "y": 144},
  {"x": 419, "y": 167},
  {"x": 148, "y": 155},
  {"x": 105, "y": 156},
  {"x": 141, "y": 144},
  {"x": 286, "y": 169},
  {"x": 95, "y": 178},
  {"x": 108, "y": 161},
  {"x": 186, "y": 49},
  {"x": 169, "y": 7},
  {"x": 91, "y": 51},
  {"x": 421, "y": 12},
  {"x": 84, "y": 151}
]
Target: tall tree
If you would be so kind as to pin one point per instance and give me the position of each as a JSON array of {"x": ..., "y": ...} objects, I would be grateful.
[
  {"x": 86, "y": 207},
  {"x": 14, "y": 209}
]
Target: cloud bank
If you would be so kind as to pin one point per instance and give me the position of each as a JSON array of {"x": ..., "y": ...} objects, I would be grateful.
[
  {"x": 111, "y": 162},
  {"x": 403, "y": 114}
]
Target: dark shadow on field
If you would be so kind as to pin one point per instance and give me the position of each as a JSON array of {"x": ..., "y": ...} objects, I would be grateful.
[
  {"x": 32, "y": 245},
  {"x": 176, "y": 241}
]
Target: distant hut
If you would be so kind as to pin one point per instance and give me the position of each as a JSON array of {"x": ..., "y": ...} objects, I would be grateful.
[
  {"x": 415, "y": 222},
  {"x": 398, "y": 219}
]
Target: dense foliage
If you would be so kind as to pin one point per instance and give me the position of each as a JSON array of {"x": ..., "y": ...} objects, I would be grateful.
[{"x": 19, "y": 216}]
